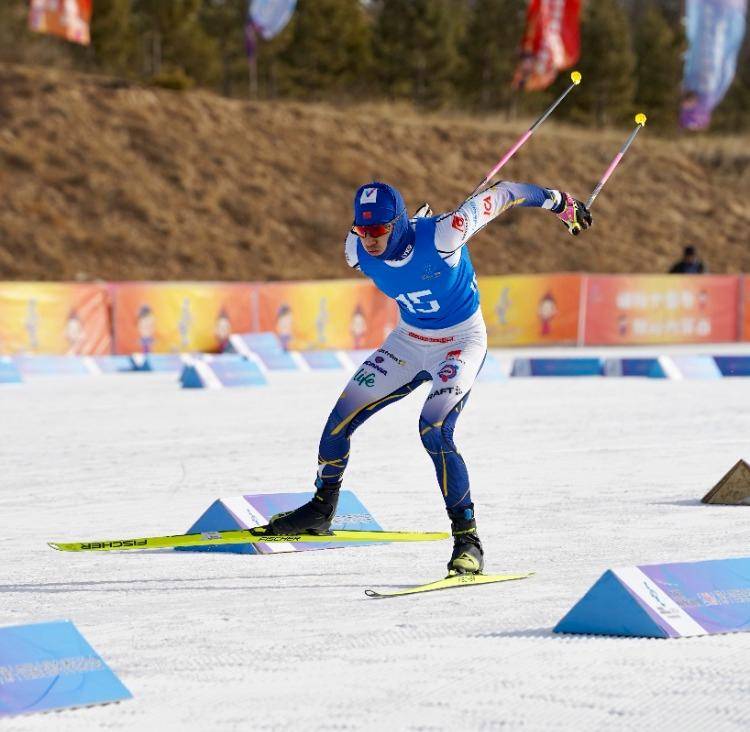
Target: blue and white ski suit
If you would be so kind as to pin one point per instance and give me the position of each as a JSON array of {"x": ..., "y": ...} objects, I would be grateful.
[{"x": 440, "y": 339}]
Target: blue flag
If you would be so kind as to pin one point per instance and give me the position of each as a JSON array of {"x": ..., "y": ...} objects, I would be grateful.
[
  {"x": 715, "y": 30},
  {"x": 269, "y": 17}
]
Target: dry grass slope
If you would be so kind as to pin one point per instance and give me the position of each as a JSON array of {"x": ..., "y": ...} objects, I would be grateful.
[{"x": 101, "y": 178}]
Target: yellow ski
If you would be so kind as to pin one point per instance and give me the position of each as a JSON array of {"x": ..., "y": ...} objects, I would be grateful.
[
  {"x": 452, "y": 580},
  {"x": 244, "y": 536}
]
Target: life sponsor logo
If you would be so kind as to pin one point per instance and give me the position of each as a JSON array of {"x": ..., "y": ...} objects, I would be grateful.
[
  {"x": 449, "y": 371},
  {"x": 376, "y": 367},
  {"x": 458, "y": 222},
  {"x": 364, "y": 378},
  {"x": 369, "y": 195},
  {"x": 454, "y": 354},
  {"x": 387, "y": 353}
]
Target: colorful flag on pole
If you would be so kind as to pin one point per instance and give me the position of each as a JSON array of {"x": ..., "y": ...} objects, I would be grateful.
[
  {"x": 271, "y": 16},
  {"x": 551, "y": 42},
  {"x": 266, "y": 18},
  {"x": 67, "y": 18},
  {"x": 715, "y": 30}
]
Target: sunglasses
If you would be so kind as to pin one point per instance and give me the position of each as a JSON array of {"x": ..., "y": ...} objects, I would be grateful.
[{"x": 375, "y": 230}]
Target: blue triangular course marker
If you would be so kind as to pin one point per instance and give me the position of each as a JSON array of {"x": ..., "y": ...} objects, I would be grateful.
[
  {"x": 217, "y": 517},
  {"x": 242, "y": 512},
  {"x": 608, "y": 608}
]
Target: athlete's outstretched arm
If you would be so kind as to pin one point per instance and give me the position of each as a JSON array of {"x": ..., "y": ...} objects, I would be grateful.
[{"x": 454, "y": 229}]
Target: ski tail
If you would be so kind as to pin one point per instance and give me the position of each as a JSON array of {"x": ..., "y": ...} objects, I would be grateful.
[{"x": 452, "y": 580}]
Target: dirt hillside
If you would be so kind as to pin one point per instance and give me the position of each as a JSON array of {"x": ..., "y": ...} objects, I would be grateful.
[{"x": 100, "y": 178}]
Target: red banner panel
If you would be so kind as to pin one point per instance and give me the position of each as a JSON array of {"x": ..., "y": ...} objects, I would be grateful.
[
  {"x": 745, "y": 308},
  {"x": 643, "y": 309}
]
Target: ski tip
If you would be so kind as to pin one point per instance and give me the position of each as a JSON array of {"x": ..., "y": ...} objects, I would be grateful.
[{"x": 54, "y": 545}]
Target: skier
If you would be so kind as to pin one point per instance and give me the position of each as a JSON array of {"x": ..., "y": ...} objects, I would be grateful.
[{"x": 423, "y": 263}]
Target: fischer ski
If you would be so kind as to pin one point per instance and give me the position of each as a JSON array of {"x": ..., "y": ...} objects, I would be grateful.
[
  {"x": 452, "y": 580},
  {"x": 245, "y": 536}
]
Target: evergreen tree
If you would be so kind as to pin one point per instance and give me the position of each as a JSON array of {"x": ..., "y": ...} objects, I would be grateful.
[
  {"x": 329, "y": 49},
  {"x": 417, "y": 48},
  {"x": 174, "y": 38},
  {"x": 224, "y": 22},
  {"x": 490, "y": 48},
  {"x": 607, "y": 64},
  {"x": 113, "y": 36},
  {"x": 659, "y": 68}
]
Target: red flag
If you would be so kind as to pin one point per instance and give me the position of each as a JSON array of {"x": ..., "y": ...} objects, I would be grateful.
[
  {"x": 551, "y": 42},
  {"x": 67, "y": 18}
]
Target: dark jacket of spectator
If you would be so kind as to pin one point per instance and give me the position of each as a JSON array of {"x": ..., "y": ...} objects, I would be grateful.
[{"x": 689, "y": 264}]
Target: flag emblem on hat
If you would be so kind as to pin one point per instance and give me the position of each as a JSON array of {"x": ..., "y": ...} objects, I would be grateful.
[{"x": 369, "y": 195}]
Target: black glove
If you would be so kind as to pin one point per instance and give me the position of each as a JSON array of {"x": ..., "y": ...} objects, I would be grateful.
[{"x": 573, "y": 214}]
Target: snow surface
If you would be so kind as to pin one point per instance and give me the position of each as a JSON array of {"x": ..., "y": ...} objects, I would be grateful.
[{"x": 570, "y": 476}]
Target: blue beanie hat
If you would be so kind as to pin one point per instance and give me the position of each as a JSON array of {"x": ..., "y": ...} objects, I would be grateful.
[{"x": 379, "y": 203}]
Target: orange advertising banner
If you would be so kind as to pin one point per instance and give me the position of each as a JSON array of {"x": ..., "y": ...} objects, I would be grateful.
[
  {"x": 642, "y": 309},
  {"x": 339, "y": 314},
  {"x": 174, "y": 317},
  {"x": 54, "y": 318},
  {"x": 69, "y": 19},
  {"x": 531, "y": 309}
]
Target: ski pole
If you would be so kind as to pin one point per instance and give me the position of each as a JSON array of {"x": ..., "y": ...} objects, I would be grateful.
[
  {"x": 640, "y": 121},
  {"x": 575, "y": 79}
]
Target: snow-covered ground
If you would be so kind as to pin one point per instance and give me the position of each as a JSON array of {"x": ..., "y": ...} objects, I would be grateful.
[{"x": 570, "y": 476}]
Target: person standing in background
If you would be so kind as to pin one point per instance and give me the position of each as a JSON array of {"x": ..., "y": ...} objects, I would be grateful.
[{"x": 689, "y": 264}]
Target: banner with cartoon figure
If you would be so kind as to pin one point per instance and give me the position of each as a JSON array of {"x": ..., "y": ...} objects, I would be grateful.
[
  {"x": 338, "y": 314},
  {"x": 176, "y": 317},
  {"x": 633, "y": 309},
  {"x": 531, "y": 309},
  {"x": 54, "y": 318}
]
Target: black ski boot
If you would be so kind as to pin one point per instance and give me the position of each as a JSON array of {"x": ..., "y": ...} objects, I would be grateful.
[
  {"x": 468, "y": 555},
  {"x": 313, "y": 517}
]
